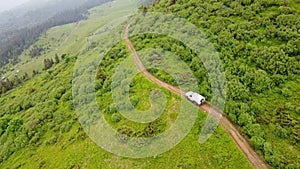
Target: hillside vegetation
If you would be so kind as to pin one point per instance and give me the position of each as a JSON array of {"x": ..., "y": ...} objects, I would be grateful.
[
  {"x": 258, "y": 42},
  {"x": 39, "y": 127}
]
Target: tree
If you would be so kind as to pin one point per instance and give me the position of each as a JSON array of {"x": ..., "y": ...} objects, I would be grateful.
[
  {"x": 173, "y": 2},
  {"x": 254, "y": 130},
  {"x": 237, "y": 91},
  {"x": 56, "y": 59},
  {"x": 268, "y": 148},
  {"x": 48, "y": 63},
  {"x": 115, "y": 117},
  {"x": 101, "y": 74},
  {"x": 14, "y": 125},
  {"x": 282, "y": 132},
  {"x": 261, "y": 81},
  {"x": 245, "y": 119},
  {"x": 4, "y": 124},
  {"x": 34, "y": 72},
  {"x": 257, "y": 142},
  {"x": 63, "y": 56},
  {"x": 145, "y": 10}
]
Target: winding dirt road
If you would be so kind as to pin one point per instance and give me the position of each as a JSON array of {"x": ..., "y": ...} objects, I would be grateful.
[{"x": 252, "y": 156}]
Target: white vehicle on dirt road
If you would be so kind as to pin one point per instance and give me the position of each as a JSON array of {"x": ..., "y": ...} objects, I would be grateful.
[{"x": 195, "y": 98}]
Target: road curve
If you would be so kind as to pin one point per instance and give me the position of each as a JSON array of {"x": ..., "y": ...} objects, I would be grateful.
[{"x": 242, "y": 143}]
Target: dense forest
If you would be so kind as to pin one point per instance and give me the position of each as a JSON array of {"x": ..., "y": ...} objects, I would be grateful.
[
  {"x": 19, "y": 35},
  {"x": 259, "y": 44}
]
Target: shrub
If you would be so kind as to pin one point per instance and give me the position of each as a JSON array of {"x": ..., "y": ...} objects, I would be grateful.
[
  {"x": 289, "y": 106},
  {"x": 52, "y": 140},
  {"x": 286, "y": 92},
  {"x": 124, "y": 133},
  {"x": 116, "y": 117},
  {"x": 154, "y": 128},
  {"x": 21, "y": 141},
  {"x": 276, "y": 161},
  {"x": 245, "y": 119},
  {"x": 254, "y": 130},
  {"x": 4, "y": 124},
  {"x": 268, "y": 148},
  {"x": 66, "y": 127},
  {"x": 257, "y": 142},
  {"x": 282, "y": 132},
  {"x": 298, "y": 110},
  {"x": 134, "y": 101},
  {"x": 58, "y": 117},
  {"x": 112, "y": 109},
  {"x": 67, "y": 96},
  {"x": 14, "y": 125},
  {"x": 26, "y": 104},
  {"x": 35, "y": 139},
  {"x": 257, "y": 108},
  {"x": 58, "y": 93}
]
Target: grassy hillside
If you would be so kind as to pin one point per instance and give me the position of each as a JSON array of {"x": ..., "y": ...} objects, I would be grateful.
[
  {"x": 39, "y": 127},
  {"x": 258, "y": 42}
]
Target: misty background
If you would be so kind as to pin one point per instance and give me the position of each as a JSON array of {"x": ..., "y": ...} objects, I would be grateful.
[
  {"x": 8, "y": 5},
  {"x": 22, "y": 22}
]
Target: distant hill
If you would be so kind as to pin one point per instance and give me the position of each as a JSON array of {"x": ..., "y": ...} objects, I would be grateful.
[{"x": 22, "y": 26}]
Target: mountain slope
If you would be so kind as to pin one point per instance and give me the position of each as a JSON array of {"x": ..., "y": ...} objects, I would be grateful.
[
  {"x": 22, "y": 26},
  {"x": 38, "y": 122},
  {"x": 258, "y": 42}
]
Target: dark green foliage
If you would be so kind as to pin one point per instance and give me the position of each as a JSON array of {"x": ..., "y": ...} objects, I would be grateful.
[
  {"x": 66, "y": 127},
  {"x": 154, "y": 128},
  {"x": 5, "y": 85},
  {"x": 35, "y": 51},
  {"x": 258, "y": 42},
  {"x": 254, "y": 130},
  {"x": 56, "y": 59},
  {"x": 25, "y": 117},
  {"x": 257, "y": 142},
  {"x": 59, "y": 92},
  {"x": 101, "y": 74},
  {"x": 52, "y": 140},
  {"x": 164, "y": 76},
  {"x": 4, "y": 122},
  {"x": 14, "y": 125},
  {"x": 112, "y": 109},
  {"x": 48, "y": 63},
  {"x": 282, "y": 132},
  {"x": 63, "y": 56},
  {"x": 116, "y": 117},
  {"x": 124, "y": 133}
]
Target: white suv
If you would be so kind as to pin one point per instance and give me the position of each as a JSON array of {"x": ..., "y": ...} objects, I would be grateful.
[{"x": 195, "y": 98}]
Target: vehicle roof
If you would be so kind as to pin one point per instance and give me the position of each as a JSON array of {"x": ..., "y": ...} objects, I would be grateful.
[{"x": 195, "y": 95}]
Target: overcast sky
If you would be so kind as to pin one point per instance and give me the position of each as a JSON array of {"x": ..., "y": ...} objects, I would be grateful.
[{"x": 9, "y": 4}]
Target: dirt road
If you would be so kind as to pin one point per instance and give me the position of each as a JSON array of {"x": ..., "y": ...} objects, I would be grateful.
[{"x": 252, "y": 156}]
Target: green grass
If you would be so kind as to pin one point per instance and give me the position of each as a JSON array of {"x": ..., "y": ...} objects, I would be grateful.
[
  {"x": 54, "y": 145},
  {"x": 74, "y": 149}
]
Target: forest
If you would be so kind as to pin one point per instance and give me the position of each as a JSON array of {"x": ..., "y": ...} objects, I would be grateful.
[{"x": 258, "y": 42}]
